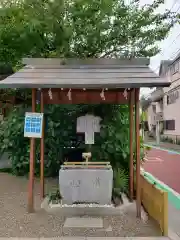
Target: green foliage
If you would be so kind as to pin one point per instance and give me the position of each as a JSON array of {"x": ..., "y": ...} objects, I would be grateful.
[
  {"x": 60, "y": 131},
  {"x": 55, "y": 197},
  {"x": 115, "y": 132},
  {"x": 167, "y": 139},
  {"x": 6, "y": 170},
  {"x": 147, "y": 148},
  {"x": 5, "y": 69},
  {"x": 82, "y": 28},
  {"x": 112, "y": 144},
  {"x": 120, "y": 180},
  {"x": 13, "y": 141}
]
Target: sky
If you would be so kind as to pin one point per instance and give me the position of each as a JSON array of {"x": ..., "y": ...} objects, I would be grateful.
[{"x": 170, "y": 47}]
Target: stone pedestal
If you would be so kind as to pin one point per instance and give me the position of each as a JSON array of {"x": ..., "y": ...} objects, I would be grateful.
[{"x": 86, "y": 185}]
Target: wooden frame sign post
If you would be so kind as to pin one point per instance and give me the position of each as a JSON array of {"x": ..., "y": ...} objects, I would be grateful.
[
  {"x": 33, "y": 127},
  {"x": 138, "y": 160}
]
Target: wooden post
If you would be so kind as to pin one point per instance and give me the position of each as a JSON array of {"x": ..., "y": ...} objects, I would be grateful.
[
  {"x": 138, "y": 186},
  {"x": 42, "y": 149},
  {"x": 165, "y": 214},
  {"x": 32, "y": 160},
  {"x": 131, "y": 130}
]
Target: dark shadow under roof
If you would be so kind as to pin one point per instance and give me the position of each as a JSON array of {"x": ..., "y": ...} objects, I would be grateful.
[{"x": 87, "y": 73}]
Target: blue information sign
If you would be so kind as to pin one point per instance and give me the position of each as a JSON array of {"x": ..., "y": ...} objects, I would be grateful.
[{"x": 33, "y": 125}]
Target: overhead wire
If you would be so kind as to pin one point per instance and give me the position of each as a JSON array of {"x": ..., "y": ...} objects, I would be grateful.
[
  {"x": 168, "y": 47},
  {"x": 174, "y": 41}
]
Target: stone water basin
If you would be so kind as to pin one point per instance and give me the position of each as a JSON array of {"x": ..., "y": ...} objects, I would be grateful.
[{"x": 84, "y": 184}]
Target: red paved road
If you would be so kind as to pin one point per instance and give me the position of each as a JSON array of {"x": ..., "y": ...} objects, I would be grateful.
[{"x": 165, "y": 166}]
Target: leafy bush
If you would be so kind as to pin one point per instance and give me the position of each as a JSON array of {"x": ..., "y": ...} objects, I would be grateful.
[
  {"x": 170, "y": 140},
  {"x": 55, "y": 197},
  {"x": 112, "y": 144},
  {"x": 59, "y": 138},
  {"x": 13, "y": 141},
  {"x": 163, "y": 138},
  {"x": 167, "y": 139},
  {"x": 120, "y": 181}
]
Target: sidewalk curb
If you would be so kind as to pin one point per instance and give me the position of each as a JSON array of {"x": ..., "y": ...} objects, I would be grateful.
[
  {"x": 173, "y": 196},
  {"x": 162, "y": 148}
]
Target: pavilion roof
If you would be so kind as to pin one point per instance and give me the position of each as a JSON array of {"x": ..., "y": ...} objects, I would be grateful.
[{"x": 84, "y": 73}]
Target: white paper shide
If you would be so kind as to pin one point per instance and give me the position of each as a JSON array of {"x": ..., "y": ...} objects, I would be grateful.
[{"x": 88, "y": 124}]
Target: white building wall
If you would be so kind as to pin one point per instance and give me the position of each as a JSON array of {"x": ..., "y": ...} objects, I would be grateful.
[
  {"x": 158, "y": 107},
  {"x": 151, "y": 117},
  {"x": 172, "y": 111}
]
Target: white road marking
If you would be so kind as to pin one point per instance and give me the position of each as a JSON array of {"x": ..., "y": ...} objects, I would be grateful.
[{"x": 153, "y": 159}]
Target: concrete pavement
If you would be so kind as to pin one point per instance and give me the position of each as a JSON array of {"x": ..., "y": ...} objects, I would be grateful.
[
  {"x": 174, "y": 222},
  {"x": 4, "y": 161},
  {"x": 165, "y": 145},
  {"x": 174, "y": 219},
  {"x": 95, "y": 238}
]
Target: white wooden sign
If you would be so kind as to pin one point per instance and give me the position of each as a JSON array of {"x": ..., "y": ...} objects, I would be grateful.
[
  {"x": 33, "y": 125},
  {"x": 88, "y": 124},
  {"x": 89, "y": 137}
]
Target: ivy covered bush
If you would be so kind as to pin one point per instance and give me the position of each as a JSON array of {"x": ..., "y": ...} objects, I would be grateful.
[{"x": 112, "y": 144}]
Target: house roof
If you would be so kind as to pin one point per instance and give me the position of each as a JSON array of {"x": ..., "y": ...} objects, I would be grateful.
[
  {"x": 175, "y": 59},
  {"x": 164, "y": 64},
  {"x": 87, "y": 73}
]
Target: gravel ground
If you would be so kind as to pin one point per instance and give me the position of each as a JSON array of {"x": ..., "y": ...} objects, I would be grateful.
[{"x": 16, "y": 222}]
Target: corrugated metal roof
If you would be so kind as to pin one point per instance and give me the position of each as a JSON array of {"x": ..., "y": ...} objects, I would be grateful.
[{"x": 90, "y": 73}]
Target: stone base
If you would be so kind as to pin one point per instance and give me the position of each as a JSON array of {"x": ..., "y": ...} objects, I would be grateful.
[
  {"x": 86, "y": 185},
  {"x": 84, "y": 209}
]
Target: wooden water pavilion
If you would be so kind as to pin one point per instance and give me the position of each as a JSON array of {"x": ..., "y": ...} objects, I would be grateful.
[{"x": 93, "y": 81}]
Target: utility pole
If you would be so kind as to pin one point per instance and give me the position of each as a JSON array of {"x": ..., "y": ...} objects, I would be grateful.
[{"x": 157, "y": 132}]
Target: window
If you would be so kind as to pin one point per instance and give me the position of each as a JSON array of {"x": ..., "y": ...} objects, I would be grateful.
[
  {"x": 176, "y": 67},
  {"x": 154, "y": 108},
  {"x": 168, "y": 72},
  {"x": 172, "y": 97},
  {"x": 172, "y": 69},
  {"x": 169, "y": 125}
]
